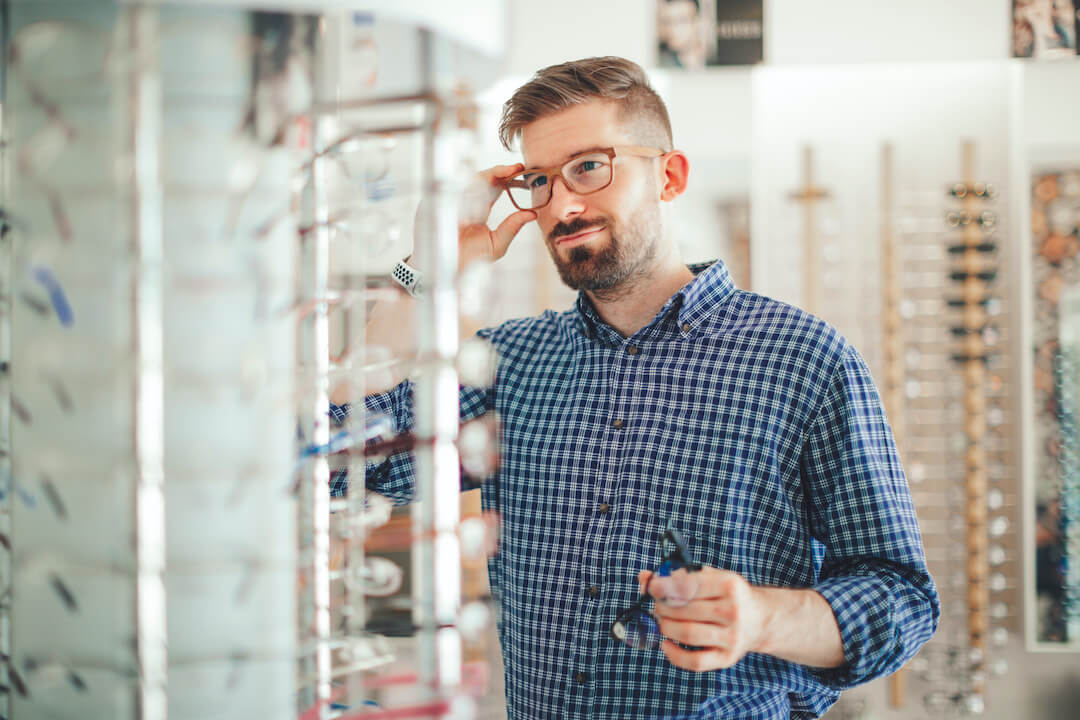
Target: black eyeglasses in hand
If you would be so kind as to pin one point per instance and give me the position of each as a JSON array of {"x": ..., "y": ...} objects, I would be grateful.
[{"x": 677, "y": 580}]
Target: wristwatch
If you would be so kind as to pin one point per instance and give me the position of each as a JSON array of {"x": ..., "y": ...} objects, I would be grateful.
[{"x": 409, "y": 278}]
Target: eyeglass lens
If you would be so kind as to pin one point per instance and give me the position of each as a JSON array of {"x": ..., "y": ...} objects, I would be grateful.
[
  {"x": 583, "y": 174},
  {"x": 672, "y": 584},
  {"x": 639, "y": 630}
]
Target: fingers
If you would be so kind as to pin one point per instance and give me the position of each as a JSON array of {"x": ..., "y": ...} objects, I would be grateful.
[
  {"x": 508, "y": 229},
  {"x": 708, "y": 583},
  {"x": 643, "y": 580},
  {"x": 695, "y": 633},
  {"x": 716, "y": 612},
  {"x": 482, "y": 192},
  {"x": 501, "y": 172},
  {"x": 699, "y": 660}
]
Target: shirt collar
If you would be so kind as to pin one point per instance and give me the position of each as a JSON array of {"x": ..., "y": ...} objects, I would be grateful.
[{"x": 711, "y": 287}]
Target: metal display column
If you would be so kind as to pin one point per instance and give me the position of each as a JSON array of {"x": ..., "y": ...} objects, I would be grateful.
[{"x": 152, "y": 372}]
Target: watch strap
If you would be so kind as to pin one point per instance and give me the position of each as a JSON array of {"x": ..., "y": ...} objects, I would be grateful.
[{"x": 408, "y": 277}]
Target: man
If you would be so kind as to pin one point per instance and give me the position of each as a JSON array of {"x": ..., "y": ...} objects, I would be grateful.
[{"x": 668, "y": 400}]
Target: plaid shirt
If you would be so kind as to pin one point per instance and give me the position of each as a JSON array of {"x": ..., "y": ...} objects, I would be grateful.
[{"x": 750, "y": 425}]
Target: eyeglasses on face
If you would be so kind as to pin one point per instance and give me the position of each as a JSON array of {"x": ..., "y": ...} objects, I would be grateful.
[
  {"x": 585, "y": 173},
  {"x": 677, "y": 581}
]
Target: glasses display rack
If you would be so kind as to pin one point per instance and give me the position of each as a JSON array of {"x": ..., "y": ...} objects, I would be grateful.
[
  {"x": 892, "y": 354},
  {"x": 6, "y": 477},
  {"x": 152, "y": 367},
  {"x": 168, "y": 236},
  {"x": 973, "y": 272},
  {"x": 816, "y": 273},
  {"x": 955, "y": 410},
  {"x": 402, "y": 139},
  {"x": 809, "y": 196}
]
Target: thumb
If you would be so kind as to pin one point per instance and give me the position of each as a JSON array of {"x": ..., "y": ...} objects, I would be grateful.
[
  {"x": 508, "y": 229},
  {"x": 643, "y": 579}
]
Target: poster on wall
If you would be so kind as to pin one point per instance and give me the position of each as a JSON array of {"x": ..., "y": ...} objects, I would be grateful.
[
  {"x": 1045, "y": 29},
  {"x": 1055, "y": 253},
  {"x": 693, "y": 34}
]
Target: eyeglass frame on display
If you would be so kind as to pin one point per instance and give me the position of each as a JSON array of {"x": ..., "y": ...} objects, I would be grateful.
[{"x": 556, "y": 171}]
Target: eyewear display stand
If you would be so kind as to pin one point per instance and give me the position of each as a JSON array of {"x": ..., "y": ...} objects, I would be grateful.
[
  {"x": 974, "y": 271},
  {"x": 809, "y": 196},
  {"x": 953, "y": 328},
  {"x": 819, "y": 271},
  {"x": 152, "y": 369},
  {"x": 942, "y": 380},
  {"x": 892, "y": 344},
  {"x": 168, "y": 214}
]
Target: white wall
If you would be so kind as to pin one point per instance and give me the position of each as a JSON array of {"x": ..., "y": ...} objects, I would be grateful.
[{"x": 860, "y": 31}]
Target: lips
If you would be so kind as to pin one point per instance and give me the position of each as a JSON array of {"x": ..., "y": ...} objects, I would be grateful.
[{"x": 579, "y": 237}]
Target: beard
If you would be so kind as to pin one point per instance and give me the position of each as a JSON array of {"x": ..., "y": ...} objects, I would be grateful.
[{"x": 628, "y": 253}]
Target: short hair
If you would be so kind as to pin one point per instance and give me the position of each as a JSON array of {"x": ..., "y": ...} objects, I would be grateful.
[{"x": 612, "y": 79}]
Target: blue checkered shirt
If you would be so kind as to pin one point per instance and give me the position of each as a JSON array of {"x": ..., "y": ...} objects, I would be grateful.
[{"x": 751, "y": 426}]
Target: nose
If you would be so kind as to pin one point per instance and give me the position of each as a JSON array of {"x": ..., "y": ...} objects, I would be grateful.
[{"x": 565, "y": 204}]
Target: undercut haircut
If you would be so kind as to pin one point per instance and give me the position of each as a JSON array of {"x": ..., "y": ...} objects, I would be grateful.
[{"x": 611, "y": 79}]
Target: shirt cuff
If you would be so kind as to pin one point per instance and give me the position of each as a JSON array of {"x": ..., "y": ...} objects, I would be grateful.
[
  {"x": 863, "y": 606},
  {"x": 397, "y": 403}
]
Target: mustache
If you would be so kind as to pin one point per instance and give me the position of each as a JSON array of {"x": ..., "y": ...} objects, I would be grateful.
[{"x": 574, "y": 227}]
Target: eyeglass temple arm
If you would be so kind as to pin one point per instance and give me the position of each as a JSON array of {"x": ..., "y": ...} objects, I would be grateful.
[{"x": 680, "y": 553}]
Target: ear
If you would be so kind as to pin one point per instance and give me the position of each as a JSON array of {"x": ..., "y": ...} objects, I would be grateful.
[{"x": 675, "y": 169}]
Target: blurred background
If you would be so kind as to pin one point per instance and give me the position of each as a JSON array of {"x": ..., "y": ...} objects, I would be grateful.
[{"x": 201, "y": 203}]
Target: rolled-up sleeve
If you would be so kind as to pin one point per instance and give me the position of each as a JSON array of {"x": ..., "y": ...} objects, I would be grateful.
[{"x": 873, "y": 573}]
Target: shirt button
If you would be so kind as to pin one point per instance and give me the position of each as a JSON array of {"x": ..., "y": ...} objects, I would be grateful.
[
  {"x": 632, "y": 350},
  {"x": 581, "y": 678},
  {"x": 603, "y": 508},
  {"x": 616, "y": 424},
  {"x": 686, "y": 327},
  {"x": 593, "y": 591}
]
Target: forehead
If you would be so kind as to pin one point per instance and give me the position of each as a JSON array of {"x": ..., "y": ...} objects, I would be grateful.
[
  {"x": 555, "y": 138},
  {"x": 678, "y": 10}
]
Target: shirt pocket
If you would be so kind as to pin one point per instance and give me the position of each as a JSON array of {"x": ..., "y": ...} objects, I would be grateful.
[{"x": 718, "y": 490}]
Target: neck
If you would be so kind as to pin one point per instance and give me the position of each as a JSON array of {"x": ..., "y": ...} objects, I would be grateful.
[{"x": 632, "y": 305}]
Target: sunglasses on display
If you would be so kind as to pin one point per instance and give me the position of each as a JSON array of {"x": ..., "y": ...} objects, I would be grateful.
[
  {"x": 980, "y": 190},
  {"x": 985, "y": 219}
]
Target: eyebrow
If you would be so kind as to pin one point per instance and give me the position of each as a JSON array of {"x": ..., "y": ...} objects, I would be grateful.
[{"x": 568, "y": 158}]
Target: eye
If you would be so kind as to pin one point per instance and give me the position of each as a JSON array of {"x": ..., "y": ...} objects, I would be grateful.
[
  {"x": 587, "y": 166},
  {"x": 536, "y": 181}
]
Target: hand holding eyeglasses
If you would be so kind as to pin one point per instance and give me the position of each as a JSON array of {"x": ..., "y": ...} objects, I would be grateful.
[
  {"x": 725, "y": 619},
  {"x": 708, "y": 619}
]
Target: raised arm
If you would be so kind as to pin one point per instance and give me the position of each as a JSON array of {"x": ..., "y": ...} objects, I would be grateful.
[{"x": 391, "y": 324}]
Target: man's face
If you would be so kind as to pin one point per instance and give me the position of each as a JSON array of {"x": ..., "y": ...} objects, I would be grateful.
[
  {"x": 677, "y": 23},
  {"x": 599, "y": 240}
]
